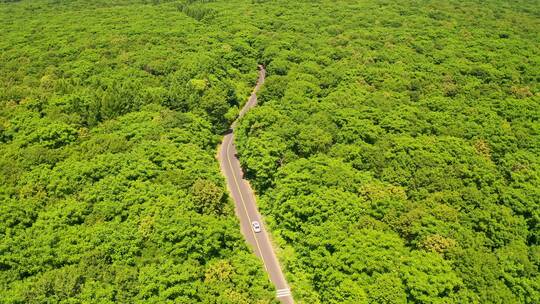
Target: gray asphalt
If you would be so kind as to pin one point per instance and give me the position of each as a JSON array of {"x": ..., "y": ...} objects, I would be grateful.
[{"x": 246, "y": 205}]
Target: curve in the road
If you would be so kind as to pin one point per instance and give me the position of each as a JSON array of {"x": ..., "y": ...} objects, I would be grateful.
[{"x": 245, "y": 203}]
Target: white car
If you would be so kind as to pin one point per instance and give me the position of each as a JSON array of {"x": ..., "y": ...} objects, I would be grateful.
[{"x": 256, "y": 226}]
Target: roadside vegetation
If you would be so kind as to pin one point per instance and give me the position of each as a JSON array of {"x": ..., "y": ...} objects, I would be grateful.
[{"x": 395, "y": 150}]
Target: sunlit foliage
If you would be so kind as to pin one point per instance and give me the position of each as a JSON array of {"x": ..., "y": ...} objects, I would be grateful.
[{"x": 395, "y": 150}]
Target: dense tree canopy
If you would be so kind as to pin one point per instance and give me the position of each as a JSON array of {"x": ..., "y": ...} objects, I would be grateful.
[
  {"x": 109, "y": 191},
  {"x": 395, "y": 150}
]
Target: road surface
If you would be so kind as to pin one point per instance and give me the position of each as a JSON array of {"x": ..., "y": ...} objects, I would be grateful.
[{"x": 246, "y": 207}]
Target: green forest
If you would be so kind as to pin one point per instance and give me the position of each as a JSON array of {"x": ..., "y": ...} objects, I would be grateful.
[{"x": 395, "y": 150}]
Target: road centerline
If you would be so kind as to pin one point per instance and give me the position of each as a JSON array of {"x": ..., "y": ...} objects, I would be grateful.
[
  {"x": 227, "y": 153},
  {"x": 244, "y": 198}
]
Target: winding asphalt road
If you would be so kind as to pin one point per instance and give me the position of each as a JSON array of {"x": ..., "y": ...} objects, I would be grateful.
[{"x": 246, "y": 207}]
